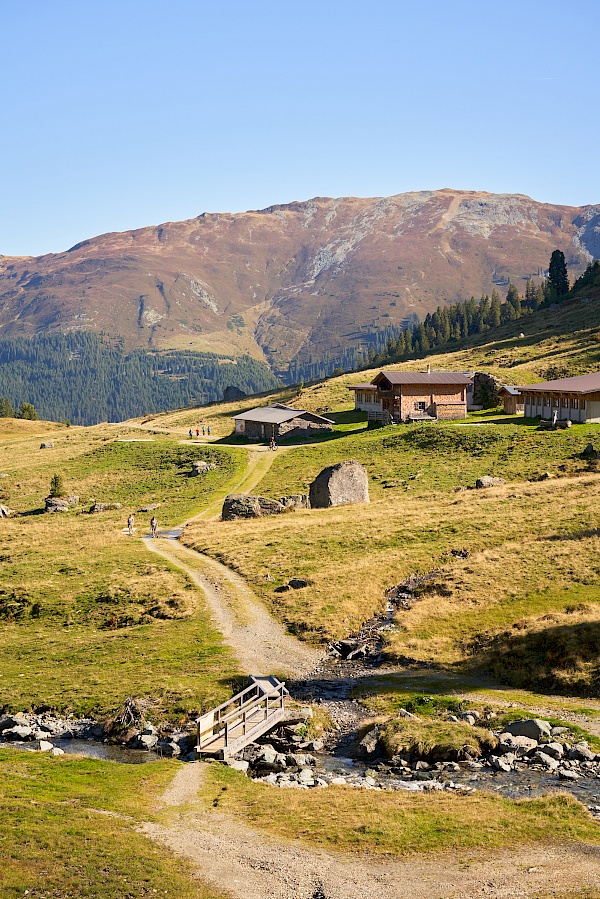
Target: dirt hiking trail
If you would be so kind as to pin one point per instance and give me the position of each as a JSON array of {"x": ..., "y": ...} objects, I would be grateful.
[
  {"x": 253, "y": 865},
  {"x": 260, "y": 643}
]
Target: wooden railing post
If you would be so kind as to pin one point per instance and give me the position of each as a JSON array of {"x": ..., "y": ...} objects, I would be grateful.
[{"x": 227, "y": 733}]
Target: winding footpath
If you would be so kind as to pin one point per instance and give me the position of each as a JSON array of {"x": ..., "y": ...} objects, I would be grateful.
[
  {"x": 261, "y": 644},
  {"x": 251, "y": 864}
]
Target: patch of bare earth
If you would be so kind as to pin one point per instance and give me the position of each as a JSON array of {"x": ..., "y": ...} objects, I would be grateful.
[{"x": 253, "y": 865}]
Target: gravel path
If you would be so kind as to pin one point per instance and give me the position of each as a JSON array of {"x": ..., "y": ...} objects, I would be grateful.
[
  {"x": 260, "y": 643},
  {"x": 252, "y": 865}
]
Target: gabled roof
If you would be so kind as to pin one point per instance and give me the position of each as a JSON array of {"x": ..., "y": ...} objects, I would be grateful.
[
  {"x": 425, "y": 377},
  {"x": 582, "y": 384},
  {"x": 512, "y": 391},
  {"x": 277, "y": 414}
]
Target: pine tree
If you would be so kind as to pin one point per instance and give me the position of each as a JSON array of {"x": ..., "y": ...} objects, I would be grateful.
[
  {"x": 557, "y": 273},
  {"x": 6, "y": 408},
  {"x": 513, "y": 300},
  {"x": 495, "y": 310},
  {"x": 26, "y": 410},
  {"x": 56, "y": 486}
]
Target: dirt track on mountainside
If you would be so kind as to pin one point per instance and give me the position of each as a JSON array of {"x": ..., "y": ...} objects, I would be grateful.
[{"x": 254, "y": 865}]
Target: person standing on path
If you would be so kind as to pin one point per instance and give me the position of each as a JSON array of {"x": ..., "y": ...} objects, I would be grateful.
[
  {"x": 209, "y": 430},
  {"x": 153, "y": 525},
  {"x": 191, "y": 433},
  {"x": 203, "y": 430},
  {"x": 130, "y": 524},
  {"x": 197, "y": 433}
]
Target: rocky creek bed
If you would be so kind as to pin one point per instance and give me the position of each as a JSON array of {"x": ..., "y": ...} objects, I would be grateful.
[{"x": 528, "y": 757}]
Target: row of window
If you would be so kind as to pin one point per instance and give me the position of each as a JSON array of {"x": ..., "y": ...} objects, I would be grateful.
[{"x": 564, "y": 402}]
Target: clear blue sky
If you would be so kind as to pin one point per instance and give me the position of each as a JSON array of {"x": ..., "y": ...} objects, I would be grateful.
[{"x": 122, "y": 113}]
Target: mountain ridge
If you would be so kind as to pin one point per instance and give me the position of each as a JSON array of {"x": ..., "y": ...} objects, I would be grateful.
[{"x": 293, "y": 281}]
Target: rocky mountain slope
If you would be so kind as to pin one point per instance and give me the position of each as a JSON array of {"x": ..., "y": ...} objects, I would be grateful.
[{"x": 293, "y": 281}]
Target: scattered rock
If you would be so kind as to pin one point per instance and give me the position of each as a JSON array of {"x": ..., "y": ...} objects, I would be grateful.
[
  {"x": 534, "y": 728},
  {"x": 295, "y": 501},
  {"x": 47, "y": 445},
  {"x": 149, "y": 508},
  {"x": 298, "y": 583},
  {"x": 402, "y": 713},
  {"x": 105, "y": 507},
  {"x": 237, "y": 505},
  {"x": 488, "y": 481},
  {"x": 17, "y": 733},
  {"x": 238, "y": 765},
  {"x": 589, "y": 452},
  {"x": 568, "y": 774},
  {"x": 554, "y": 750},
  {"x": 368, "y": 747},
  {"x": 507, "y": 742},
  {"x": 5, "y": 512},
  {"x": 581, "y": 753},
  {"x": 201, "y": 467},
  {"x": 338, "y": 485},
  {"x": 56, "y": 504}
]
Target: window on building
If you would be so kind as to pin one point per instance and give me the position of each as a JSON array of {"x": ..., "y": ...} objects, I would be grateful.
[
  {"x": 575, "y": 403},
  {"x": 420, "y": 406},
  {"x": 582, "y": 404},
  {"x": 565, "y": 402}
]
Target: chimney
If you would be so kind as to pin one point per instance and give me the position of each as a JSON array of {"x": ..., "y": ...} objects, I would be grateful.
[{"x": 428, "y": 368}]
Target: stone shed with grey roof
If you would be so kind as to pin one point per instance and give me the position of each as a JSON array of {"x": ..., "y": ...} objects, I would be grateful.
[{"x": 281, "y": 422}]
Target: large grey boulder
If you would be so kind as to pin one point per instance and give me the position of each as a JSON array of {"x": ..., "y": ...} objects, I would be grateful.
[
  {"x": 534, "y": 728},
  {"x": 339, "y": 485},
  {"x": 237, "y": 505},
  {"x": 520, "y": 745},
  {"x": 56, "y": 504},
  {"x": 488, "y": 481}
]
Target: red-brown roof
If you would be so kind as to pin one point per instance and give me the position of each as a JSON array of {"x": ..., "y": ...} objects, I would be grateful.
[
  {"x": 362, "y": 387},
  {"x": 582, "y": 384}
]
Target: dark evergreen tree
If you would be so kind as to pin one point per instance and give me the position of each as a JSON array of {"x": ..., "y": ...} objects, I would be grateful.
[
  {"x": 6, "y": 408},
  {"x": 557, "y": 274},
  {"x": 56, "y": 486},
  {"x": 27, "y": 410}
]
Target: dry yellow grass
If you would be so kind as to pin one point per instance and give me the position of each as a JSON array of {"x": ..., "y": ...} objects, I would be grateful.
[{"x": 522, "y": 538}]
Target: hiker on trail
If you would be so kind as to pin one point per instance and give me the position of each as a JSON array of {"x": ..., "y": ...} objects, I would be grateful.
[
  {"x": 191, "y": 434},
  {"x": 197, "y": 433},
  {"x": 153, "y": 525},
  {"x": 208, "y": 430},
  {"x": 203, "y": 429},
  {"x": 130, "y": 523}
]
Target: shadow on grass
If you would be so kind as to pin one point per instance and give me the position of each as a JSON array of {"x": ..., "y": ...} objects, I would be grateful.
[{"x": 563, "y": 659}]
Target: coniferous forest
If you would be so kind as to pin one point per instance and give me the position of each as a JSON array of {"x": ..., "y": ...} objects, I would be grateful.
[{"x": 86, "y": 378}]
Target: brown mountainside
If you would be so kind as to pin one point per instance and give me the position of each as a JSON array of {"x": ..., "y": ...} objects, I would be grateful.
[{"x": 293, "y": 280}]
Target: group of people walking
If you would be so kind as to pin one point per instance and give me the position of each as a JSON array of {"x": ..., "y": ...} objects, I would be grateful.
[
  {"x": 205, "y": 432},
  {"x": 131, "y": 525}
]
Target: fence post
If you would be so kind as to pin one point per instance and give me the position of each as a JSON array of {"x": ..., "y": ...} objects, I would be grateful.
[{"x": 227, "y": 733}]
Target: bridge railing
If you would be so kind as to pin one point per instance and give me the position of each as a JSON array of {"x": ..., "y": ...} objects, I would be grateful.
[{"x": 263, "y": 698}]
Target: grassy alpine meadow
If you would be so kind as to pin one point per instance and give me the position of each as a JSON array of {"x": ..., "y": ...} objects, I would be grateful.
[
  {"x": 399, "y": 823},
  {"x": 68, "y": 829},
  {"x": 87, "y": 615},
  {"x": 532, "y": 553}
]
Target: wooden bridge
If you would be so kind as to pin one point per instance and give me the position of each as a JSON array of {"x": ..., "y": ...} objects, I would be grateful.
[{"x": 245, "y": 717}]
